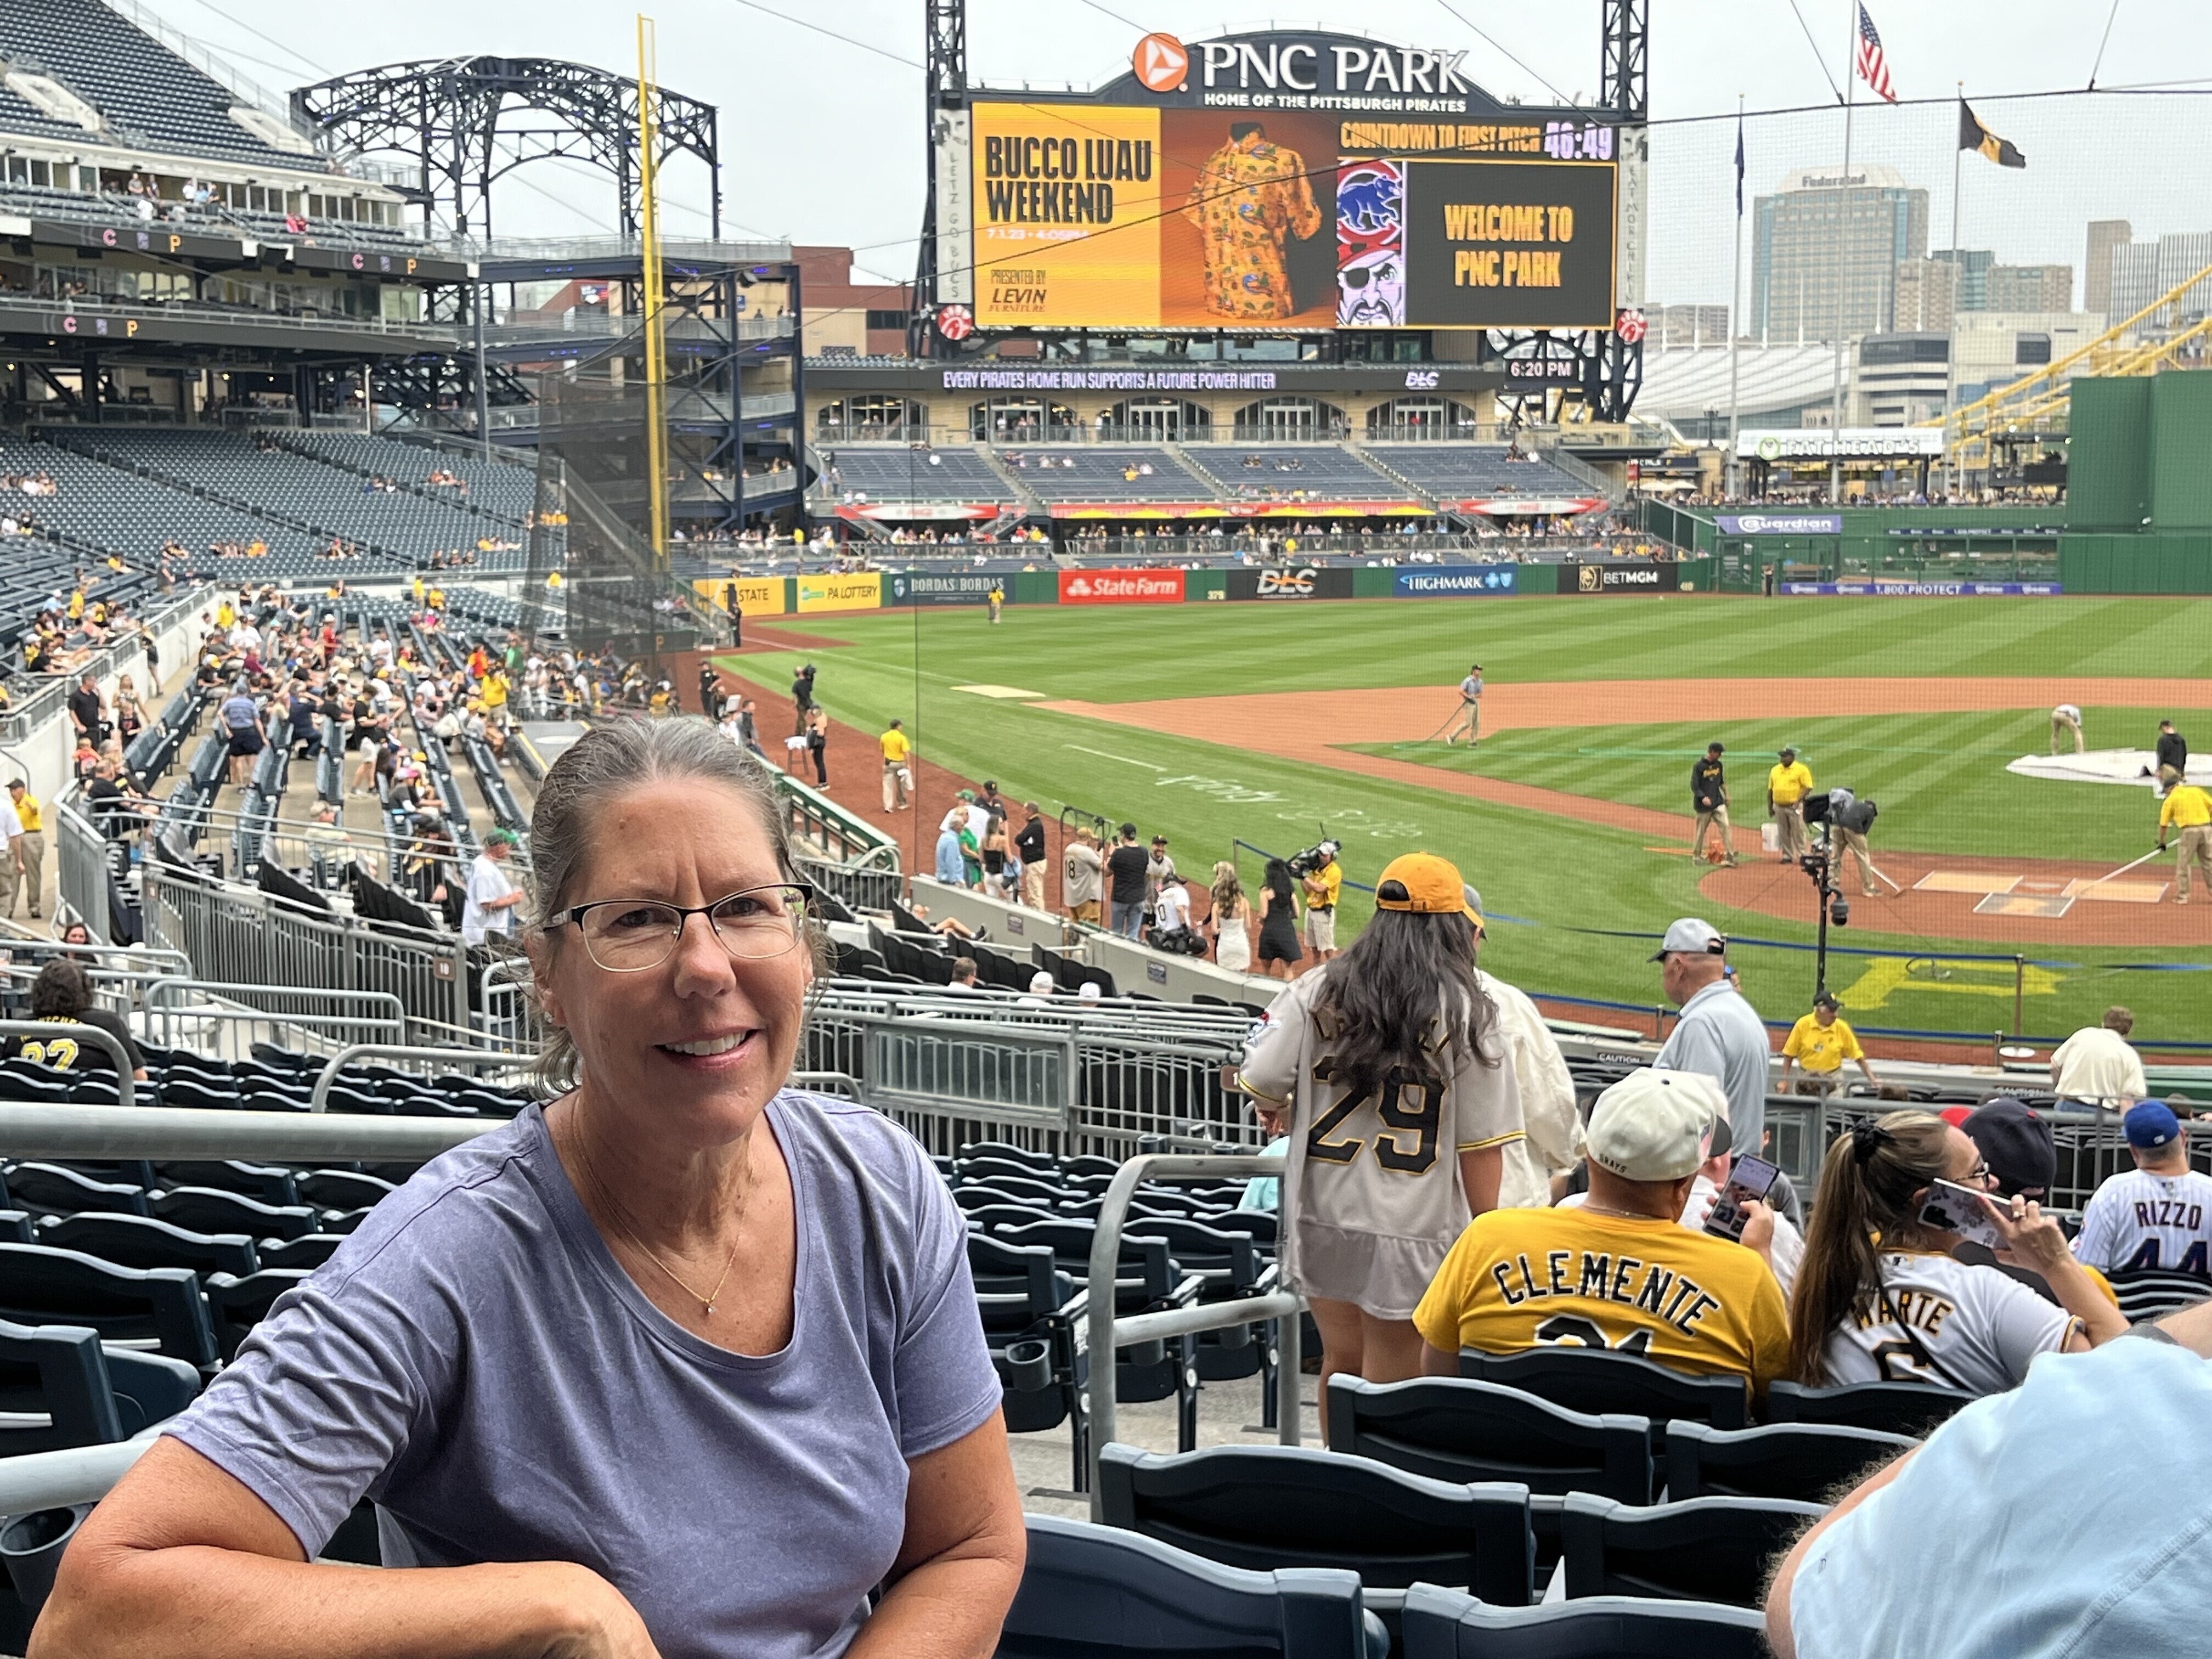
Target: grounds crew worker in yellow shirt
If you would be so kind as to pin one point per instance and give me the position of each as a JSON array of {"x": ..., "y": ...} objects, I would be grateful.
[
  {"x": 2188, "y": 808},
  {"x": 1787, "y": 785},
  {"x": 1821, "y": 1042},
  {"x": 1621, "y": 1272},
  {"x": 897, "y": 776}
]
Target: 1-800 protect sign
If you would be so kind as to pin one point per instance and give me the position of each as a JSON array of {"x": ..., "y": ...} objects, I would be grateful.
[{"x": 1121, "y": 587}]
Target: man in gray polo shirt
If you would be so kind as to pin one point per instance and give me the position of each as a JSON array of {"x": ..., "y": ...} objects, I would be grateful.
[{"x": 1719, "y": 1032}]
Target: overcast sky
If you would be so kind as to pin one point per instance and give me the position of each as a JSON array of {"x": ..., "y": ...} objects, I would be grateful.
[{"x": 822, "y": 138}]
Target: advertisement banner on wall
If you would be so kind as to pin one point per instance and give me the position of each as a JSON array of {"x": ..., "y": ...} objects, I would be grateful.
[
  {"x": 862, "y": 591},
  {"x": 943, "y": 587},
  {"x": 757, "y": 596},
  {"x": 1121, "y": 587},
  {"x": 1926, "y": 590},
  {"x": 1620, "y": 576},
  {"x": 1780, "y": 524},
  {"x": 1455, "y": 581},
  {"x": 1294, "y": 582}
]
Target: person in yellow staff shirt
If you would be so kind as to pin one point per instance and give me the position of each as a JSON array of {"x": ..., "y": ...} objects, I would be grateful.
[
  {"x": 898, "y": 776},
  {"x": 2188, "y": 808},
  {"x": 1821, "y": 1042},
  {"x": 1787, "y": 783},
  {"x": 493, "y": 691},
  {"x": 1323, "y": 887},
  {"x": 26, "y": 852},
  {"x": 1620, "y": 1272}
]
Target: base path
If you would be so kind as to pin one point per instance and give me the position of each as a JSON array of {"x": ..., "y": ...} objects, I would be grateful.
[{"x": 1310, "y": 725}]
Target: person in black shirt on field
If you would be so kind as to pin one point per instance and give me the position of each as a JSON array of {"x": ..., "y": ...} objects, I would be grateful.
[
  {"x": 1029, "y": 843},
  {"x": 1709, "y": 800},
  {"x": 802, "y": 699},
  {"x": 1125, "y": 891},
  {"x": 2173, "y": 755}
]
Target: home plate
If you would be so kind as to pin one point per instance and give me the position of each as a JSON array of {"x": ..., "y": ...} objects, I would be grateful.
[
  {"x": 1966, "y": 881},
  {"x": 2118, "y": 892},
  {"x": 998, "y": 691},
  {"x": 2018, "y": 904}
]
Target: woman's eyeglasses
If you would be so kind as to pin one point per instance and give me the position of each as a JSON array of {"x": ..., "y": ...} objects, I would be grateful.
[{"x": 628, "y": 936}]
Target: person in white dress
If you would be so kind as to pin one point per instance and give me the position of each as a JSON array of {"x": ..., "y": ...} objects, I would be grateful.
[{"x": 1231, "y": 917}]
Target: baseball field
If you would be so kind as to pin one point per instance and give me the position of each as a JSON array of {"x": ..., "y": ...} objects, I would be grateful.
[{"x": 1270, "y": 725}]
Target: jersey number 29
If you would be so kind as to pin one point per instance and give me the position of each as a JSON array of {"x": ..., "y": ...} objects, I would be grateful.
[{"x": 1409, "y": 1105}]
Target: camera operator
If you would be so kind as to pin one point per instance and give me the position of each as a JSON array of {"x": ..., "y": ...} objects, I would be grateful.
[{"x": 1323, "y": 876}]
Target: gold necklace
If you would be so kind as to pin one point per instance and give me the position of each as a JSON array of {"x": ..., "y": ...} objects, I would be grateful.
[{"x": 625, "y": 1224}]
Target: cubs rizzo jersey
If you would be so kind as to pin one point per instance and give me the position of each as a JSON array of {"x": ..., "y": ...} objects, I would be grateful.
[
  {"x": 1970, "y": 1326},
  {"x": 1372, "y": 1192},
  {"x": 2138, "y": 1219}
]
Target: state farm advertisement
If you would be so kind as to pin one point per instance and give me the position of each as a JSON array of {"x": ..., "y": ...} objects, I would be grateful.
[{"x": 1121, "y": 587}]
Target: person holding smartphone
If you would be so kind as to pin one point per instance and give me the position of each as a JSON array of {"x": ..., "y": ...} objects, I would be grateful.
[{"x": 1904, "y": 1309}]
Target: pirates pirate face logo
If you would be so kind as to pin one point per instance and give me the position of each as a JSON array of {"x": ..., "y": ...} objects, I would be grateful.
[{"x": 1370, "y": 242}]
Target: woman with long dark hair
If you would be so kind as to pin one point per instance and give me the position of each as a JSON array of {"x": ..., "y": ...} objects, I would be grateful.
[
  {"x": 1279, "y": 920},
  {"x": 1881, "y": 1298},
  {"x": 1383, "y": 1066}
]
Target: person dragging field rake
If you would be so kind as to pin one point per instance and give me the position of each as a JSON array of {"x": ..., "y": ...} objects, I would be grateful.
[
  {"x": 2187, "y": 809},
  {"x": 1468, "y": 724}
]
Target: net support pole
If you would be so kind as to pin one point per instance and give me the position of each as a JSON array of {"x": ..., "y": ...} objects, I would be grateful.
[
  {"x": 656, "y": 343},
  {"x": 1843, "y": 276}
]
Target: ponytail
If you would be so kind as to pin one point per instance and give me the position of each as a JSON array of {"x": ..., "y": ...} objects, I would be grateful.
[{"x": 1867, "y": 1182}]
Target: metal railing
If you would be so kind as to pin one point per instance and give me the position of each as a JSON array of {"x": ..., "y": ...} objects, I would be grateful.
[
  {"x": 81, "y": 874},
  {"x": 46, "y": 1033},
  {"x": 1107, "y": 1333},
  {"x": 1099, "y": 1080},
  {"x": 320, "y": 1097},
  {"x": 225, "y": 1020},
  {"x": 237, "y": 935}
]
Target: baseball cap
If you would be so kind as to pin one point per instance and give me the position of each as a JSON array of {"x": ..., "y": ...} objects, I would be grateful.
[
  {"x": 501, "y": 838},
  {"x": 1691, "y": 937},
  {"x": 965, "y": 794},
  {"x": 2150, "y": 1123},
  {"x": 2017, "y": 1145},
  {"x": 1090, "y": 993},
  {"x": 1715, "y": 749},
  {"x": 1787, "y": 752},
  {"x": 1654, "y": 1126},
  {"x": 1423, "y": 884},
  {"x": 1040, "y": 982},
  {"x": 1473, "y": 901}
]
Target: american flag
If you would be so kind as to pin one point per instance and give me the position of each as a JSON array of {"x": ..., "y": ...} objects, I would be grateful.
[{"x": 1873, "y": 68}]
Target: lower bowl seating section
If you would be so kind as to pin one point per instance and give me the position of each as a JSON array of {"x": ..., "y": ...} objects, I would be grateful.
[
  {"x": 884, "y": 473},
  {"x": 1088, "y": 473},
  {"x": 1460, "y": 471},
  {"x": 1293, "y": 473}
]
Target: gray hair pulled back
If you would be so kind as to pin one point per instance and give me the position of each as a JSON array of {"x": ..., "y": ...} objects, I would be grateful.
[{"x": 606, "y": 761}]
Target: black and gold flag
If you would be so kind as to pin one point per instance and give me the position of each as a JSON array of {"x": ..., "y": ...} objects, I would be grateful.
[{"x": 1972, "y": 134}]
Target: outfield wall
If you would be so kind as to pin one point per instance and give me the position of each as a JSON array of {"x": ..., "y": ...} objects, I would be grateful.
[{"x": 769, "y": 598}]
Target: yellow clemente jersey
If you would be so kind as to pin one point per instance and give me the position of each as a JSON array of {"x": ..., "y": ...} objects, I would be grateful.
[{"x": 1524, "y": 1278}]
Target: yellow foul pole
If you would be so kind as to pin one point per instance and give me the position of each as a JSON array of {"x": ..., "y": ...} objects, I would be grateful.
[{"x": 656, "y": 345}]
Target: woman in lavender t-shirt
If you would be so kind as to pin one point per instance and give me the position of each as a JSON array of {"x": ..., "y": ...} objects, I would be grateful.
[{"x": 681, "y": 1363}]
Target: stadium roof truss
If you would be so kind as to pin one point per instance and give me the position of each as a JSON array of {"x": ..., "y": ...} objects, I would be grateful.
[{"x": 466, "y": 122}]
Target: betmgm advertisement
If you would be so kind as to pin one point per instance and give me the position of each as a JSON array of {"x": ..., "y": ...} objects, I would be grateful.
[{"x": 1186, "y": 207}]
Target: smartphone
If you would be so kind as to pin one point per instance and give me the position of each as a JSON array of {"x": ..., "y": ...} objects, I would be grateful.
[
  {"x": 1951, "y": 1208},
  {"x": 1749, "y": 1179}
]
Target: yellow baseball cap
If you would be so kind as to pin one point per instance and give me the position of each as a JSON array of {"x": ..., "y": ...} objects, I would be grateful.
[{"x": 1425, "y": 884}]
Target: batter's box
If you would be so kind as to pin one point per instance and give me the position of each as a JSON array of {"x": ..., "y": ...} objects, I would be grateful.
[
  {"x": 2021, "y": 904},
  {"x": 2118, "y": 892},
  {"x": 1966, "y": 881}
]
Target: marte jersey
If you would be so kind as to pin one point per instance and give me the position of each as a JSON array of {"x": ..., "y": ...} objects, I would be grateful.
[
  {"x": 1970, "y": 1326},
  {"x": 1373, "y": 1188},
  {"x": 2138, "y": 1219}
]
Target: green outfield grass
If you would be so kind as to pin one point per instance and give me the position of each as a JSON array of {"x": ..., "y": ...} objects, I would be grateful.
[{"x": 1940, "y": 780}]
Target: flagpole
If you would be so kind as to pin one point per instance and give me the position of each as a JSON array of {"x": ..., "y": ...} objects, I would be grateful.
[
  {"x": 1842, "y": 271},
  {"x": 1735, "y": 313},
  {"x": 1951, "y": 346}
]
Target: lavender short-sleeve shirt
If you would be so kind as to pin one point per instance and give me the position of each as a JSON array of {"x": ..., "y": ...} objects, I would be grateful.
[{"x": 474, "y": 1361}]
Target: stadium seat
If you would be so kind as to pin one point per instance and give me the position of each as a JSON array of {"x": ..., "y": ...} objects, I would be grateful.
[
  {"x": 205, "y": 1209},
  {"x": 1265, "y": 1507},
  {"x": 1593, "y": 1382},
  {"x": 999, "y": 1217},
  {"x": 60, "y": 1373},
  {"x": 148, "y": 1388},
  {"x": 1447, "y": 1624},
  {"x": 1101, "y": 1593},
  {"x": 50, "y": 1189},
  {"x": 132, "y": 1241},
  {"x": 1907, "y": 1408},
  {"x": 2152, "y": 1293},
  {"x": 341, "y": 1190},
  {"x": 1703, "y": 1549},
  {"x": 1040, "y": 1164},
  {"x": 16, "y": 1227},
  {"x": 237, "y": 1305},
  {"x": 1458, "y": 1429},
  {"x": 266, "y": 1183},
  {"x": 39, "y": 1285},
  {"x": 1804, "y": 1460},
  {"x": 310, "y": 1252}
]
